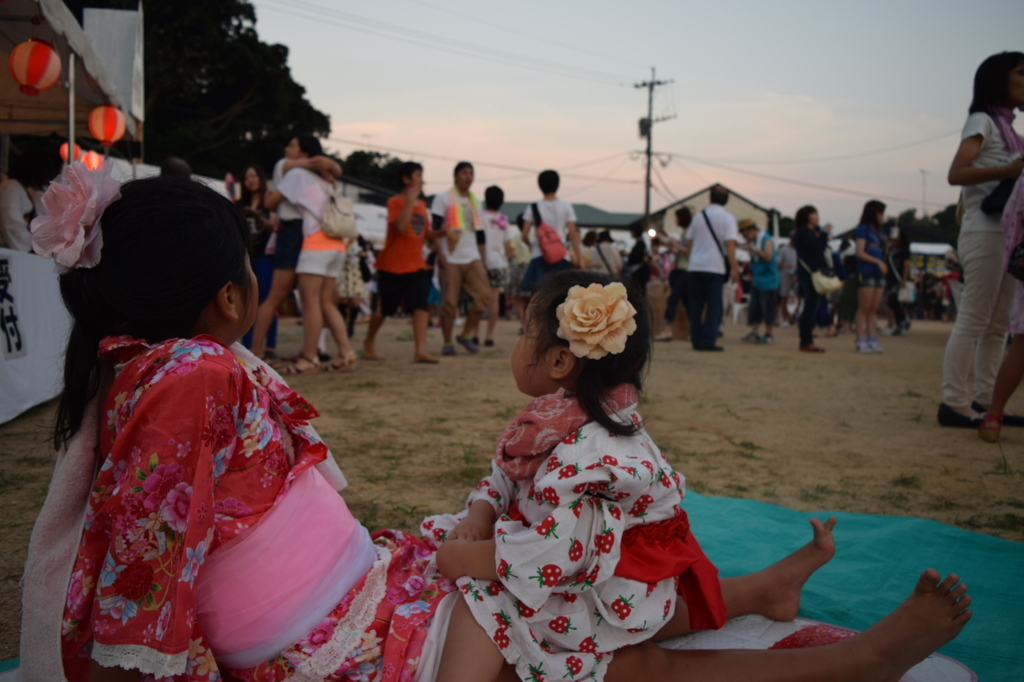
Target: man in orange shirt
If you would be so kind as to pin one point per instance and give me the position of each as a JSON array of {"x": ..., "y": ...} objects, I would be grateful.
[{"x": 401, "y": 271}]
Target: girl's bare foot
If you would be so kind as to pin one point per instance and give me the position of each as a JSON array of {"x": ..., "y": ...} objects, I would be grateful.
[
  {"x": 932, "y": 615},
  {"x": 781, "y": 584}
]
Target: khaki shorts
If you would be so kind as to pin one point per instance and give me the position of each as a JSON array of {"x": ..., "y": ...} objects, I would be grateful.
[{"x": 473, "y": 277}]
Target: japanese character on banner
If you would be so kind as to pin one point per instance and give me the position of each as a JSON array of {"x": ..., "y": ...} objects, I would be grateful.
[{"x": 13, "y": 343}]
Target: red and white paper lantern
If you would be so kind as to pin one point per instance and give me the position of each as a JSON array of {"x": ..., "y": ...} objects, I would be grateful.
[
  {"x": 35, "y": 65},
  {"x": 92, "y": 160},
  {"x": 106, "y": 123},
  {"x": 64, "y": 152}
]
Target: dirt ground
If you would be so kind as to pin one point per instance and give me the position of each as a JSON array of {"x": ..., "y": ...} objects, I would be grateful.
[{"x": 838, "y": 431}]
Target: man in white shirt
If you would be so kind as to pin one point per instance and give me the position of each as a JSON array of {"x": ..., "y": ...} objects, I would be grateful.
[
  {"x": 559, "y": 214},
  {"x": 459, "y": 216},
  {"x": 712, "y": 237}
]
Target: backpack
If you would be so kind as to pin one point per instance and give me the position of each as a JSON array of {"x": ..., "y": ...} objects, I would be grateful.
[
  {"x": 552, "y": 247},
  {"x": 339, "y": 216}
]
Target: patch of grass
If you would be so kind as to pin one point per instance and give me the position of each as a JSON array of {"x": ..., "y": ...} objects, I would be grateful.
[
  {"x": 404, "y": 337},
  {"x": 770, "y": 492},
  {"x": 1007, "y": 522},
  {"x": 911, "y": 394},
  {"x": 685, "y": 398},
  {"x": 942, "y": 503},
  {"x": 1019, "y": 504},
  {"x": 745, "y": 444},
  {"x": 845, "y": 424},
  {"x": 917, "y": 418},
  {"x": 507, "y": 413},
  {"x": 440, "y": 430},
  {"x": 359, "y": 385},
  {"x": 696, "y": 486},
  {"x": 737, "y": 488},
  {"x": 729, "y": 411},
  {"x": 904, "y": 481},
  {"x": 34, "y": 460},
  {"x": 12, "y": 481},
  {"x": 898, "y": 500},
  {"x": 818, "y": 492}
]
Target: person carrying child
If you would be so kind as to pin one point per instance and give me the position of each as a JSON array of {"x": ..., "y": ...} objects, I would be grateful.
[{"x": 575, "y": 547}]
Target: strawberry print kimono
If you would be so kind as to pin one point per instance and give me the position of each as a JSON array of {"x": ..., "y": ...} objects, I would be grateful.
[
  {"x": 580, "y": 553},
  {"x": 196, "y": 447}
]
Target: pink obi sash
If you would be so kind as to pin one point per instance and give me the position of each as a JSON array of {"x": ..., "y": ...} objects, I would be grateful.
[{"x": 267, "y": 589}]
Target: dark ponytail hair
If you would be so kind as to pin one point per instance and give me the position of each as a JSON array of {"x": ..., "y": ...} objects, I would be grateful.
[
  {"x": 992, "y": 81},
  {"x": 869, "y": 216},
  {"x": 598, "y": 377},
  {"x": 169, "y": 245}
]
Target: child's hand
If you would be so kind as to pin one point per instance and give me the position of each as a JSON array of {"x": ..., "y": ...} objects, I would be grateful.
[{"x": 471, "y": 528}]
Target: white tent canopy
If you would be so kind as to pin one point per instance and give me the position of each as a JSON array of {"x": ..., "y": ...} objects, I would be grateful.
[{"x": 47, "y": 112}]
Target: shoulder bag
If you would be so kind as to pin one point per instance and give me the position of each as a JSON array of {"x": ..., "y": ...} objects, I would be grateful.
[
  {"x": 728, "y": 265},
  {"x": 552, "y": 248},
  {"x": 339, "y": 216},
  {"x": 824, "y": 281}
]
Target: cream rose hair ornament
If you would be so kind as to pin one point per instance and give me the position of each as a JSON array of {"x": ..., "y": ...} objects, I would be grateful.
[
  {"x": 70, "y": 234},
  {"x": 597, "y": 320}
]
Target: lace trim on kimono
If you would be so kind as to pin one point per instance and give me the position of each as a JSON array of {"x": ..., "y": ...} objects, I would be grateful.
[
  {"x": 348, "y": 634},
  {"x": 139, "y": 657}
]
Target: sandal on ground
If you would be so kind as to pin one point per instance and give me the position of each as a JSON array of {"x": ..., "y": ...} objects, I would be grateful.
[
  {"x": 314, "y": 365},
  {"x": 343, "y": 363},
  {"x": 990, "y": 426}
]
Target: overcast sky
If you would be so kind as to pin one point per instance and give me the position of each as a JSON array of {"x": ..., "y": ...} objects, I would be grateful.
[{"x": 853, "y": 99}]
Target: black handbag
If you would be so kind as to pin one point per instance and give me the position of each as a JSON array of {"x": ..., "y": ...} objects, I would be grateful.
[
  {"x": 995, "y": 202},
  {"x": 1016, "y": 264}
]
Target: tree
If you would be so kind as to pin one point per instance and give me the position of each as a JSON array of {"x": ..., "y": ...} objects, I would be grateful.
[
  {"x": 216, "y": 95},
  {"x": 376, "y": 167}
]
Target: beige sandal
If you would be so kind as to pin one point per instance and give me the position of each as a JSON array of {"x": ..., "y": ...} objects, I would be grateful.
[{"x": 295, "y": 369}]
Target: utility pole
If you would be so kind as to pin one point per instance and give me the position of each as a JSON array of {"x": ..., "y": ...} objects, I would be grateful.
[
  {"x": 646, "y": 124},
  {"x": 924, "y": 204}
]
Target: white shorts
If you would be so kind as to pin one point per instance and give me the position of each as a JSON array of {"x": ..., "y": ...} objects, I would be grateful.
[{"x": 323, "y": 263}]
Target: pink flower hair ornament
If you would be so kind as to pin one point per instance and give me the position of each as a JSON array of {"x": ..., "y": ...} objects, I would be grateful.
[
  {"x": 71, "y": 234},
  {"x": 597, "y": 320}
]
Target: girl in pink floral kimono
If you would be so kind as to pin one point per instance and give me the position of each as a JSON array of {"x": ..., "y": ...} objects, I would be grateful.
[
  {"x": 574, "y": 554},
  {"x": 210, "y": 539}
]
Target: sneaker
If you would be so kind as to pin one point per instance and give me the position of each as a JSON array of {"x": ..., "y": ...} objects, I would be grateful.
[
  {"x": 873, "y": 345},
  {"x": 489, "y": 343},
  {"x": 752, "y": 337},
  {"x": 768, "y": 339},
  {"x": 468, "y": 344},
  {"x": 449, "y": 349},
  {"x": 861, "y": 346},
  {"x": 664, "y": 335},
  {"x": 784, "y": 324}
]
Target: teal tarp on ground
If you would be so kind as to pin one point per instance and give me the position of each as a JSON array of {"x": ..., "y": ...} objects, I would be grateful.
[{"x": 878, "y": 560}]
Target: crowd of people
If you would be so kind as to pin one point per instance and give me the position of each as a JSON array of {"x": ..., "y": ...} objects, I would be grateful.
[{"x": 193, "y": 529}]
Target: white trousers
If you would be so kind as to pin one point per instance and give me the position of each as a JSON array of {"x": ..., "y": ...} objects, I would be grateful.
[{"x": 983, "y": 314}]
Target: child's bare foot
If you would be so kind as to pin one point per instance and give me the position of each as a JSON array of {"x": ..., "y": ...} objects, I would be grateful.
[
  {"x": 784, "y": 580},
  {"x": 932, "y": 615}
]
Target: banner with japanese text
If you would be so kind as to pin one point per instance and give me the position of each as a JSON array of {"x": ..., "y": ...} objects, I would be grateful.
[{"x": 34, "y": 328}]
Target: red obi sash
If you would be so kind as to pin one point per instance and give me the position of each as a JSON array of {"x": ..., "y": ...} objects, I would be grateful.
[{"x": 657, "y": 551}]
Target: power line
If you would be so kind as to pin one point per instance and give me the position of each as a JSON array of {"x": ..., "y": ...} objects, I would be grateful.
[
  {"x": 525, "y": 34},
  {"x": 391, "y": 31},
  {"x": 395, "y": 150},
  {"x": 790, "y": 181},
  {"x": 859, "y": 155}
]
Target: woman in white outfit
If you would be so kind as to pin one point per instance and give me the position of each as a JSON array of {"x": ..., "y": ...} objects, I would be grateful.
[{"x": 990, "y": 151}]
